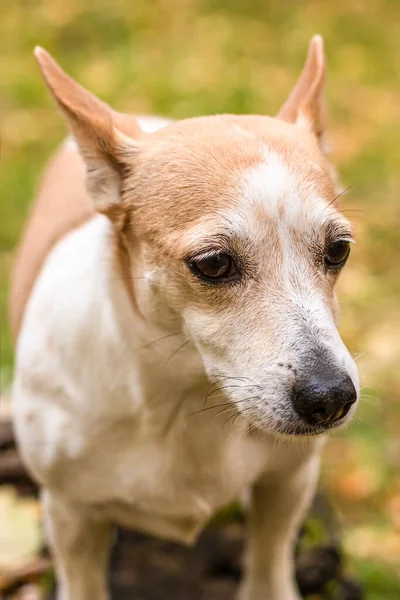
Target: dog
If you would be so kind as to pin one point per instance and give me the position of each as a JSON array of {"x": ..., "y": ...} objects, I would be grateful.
[{"x": 176, "y": 322}]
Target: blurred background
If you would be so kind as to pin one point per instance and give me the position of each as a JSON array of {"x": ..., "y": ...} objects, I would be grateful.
[{"x": 182, "y": 58}]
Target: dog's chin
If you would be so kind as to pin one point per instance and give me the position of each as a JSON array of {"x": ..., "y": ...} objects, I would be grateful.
[{"x": 297, "y": 430}]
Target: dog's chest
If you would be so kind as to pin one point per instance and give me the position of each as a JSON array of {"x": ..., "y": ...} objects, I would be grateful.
[{"x": 167, "y": 487}]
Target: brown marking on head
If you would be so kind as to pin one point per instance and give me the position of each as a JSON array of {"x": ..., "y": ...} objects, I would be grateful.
[{"x": 191, "y": 170}]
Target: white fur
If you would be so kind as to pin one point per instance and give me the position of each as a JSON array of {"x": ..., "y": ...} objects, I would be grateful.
[
  {"x": 150, "y": 124},
  {"x": 272, "y": 184},
  {"x": 71, "y": 144},
  {"x": 269, "y": 184}
]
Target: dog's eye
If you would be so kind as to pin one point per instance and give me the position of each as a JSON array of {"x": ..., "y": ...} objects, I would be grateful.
[
  {"x": 337, "y": 253},
  {"x": 214, "y": 268}
]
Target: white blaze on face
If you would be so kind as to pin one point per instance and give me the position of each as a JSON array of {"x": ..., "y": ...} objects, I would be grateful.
[
  {"x": 276, "y": 191},
  {"x": 270, "y": 185},
  {"x": 271, "y": 189},
  {"x": 289, "y": 200}
]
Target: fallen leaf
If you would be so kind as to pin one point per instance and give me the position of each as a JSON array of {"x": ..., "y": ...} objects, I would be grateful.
[{"x": 20, "y": 529}]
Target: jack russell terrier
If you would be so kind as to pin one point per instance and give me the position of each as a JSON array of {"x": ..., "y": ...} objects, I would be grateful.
[{"x": 173, "y": 301}]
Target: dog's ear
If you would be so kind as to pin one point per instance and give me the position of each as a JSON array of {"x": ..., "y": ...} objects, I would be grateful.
[
  {"x": 305, "y": 105},
  {"x": 107, "y": 140}
]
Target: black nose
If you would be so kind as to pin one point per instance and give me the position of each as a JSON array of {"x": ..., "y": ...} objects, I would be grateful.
[{"x": 324, "y": 397}]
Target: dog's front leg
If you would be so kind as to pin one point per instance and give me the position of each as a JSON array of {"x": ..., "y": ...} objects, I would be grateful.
[
  {"x": 80, "y": 546},
  {"x": 278, "y": 505}
]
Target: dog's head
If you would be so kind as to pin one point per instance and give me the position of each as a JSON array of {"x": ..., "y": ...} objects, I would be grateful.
[{"x": 233, "y": 223}]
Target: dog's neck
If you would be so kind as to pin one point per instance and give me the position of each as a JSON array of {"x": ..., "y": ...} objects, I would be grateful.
[{"x": 171, "y": 378}]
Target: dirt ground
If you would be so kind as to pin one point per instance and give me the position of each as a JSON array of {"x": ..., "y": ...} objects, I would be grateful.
[{"x": 148, "y": 569}]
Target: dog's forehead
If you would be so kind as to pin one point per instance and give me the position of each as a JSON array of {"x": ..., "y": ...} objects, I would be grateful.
[
  {"x": 211, "y": 166},
  {"x": 267, "y": 151},
  {"x": 285, "y": 186}
]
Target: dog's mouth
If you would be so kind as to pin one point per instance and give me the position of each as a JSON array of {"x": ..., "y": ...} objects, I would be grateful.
[
  {"x": 297, "y": 429},
  {"x": 318, "y": 429},
  {"x": 314, "y": 430}
]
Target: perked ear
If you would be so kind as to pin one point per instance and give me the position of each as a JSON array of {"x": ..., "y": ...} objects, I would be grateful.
[
  {"x": 305, "y": 105},
  {"x": 106, "y": 139}
]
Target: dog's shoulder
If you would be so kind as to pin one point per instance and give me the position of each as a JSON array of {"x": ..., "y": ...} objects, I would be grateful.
[{"x": 62, "y": 204}]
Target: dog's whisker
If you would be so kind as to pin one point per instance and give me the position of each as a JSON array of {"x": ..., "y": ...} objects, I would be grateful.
[
  {"x": 236, "y": 377},
  {"x": 231, "y": 403},
  {"x": 176, "y": 351},
  {"x": 225, "y": 410},
  {"x": 209, "y": 408},
  {"x": 173, "y": 417},
  {"x": 229, "y": 385},
  {"x": 356, "y": 357},
  {"x": 211, "y": 394},
  {"x": 223, "y": 379},
  {"x": 242, "y": 410},
  {"x": 370, "y": 400},
  {"x": 332, "y": 202},
  {"x": 350, "y": 187},
  {"x": 160, "y": 339},
  {"x": 231, "y": 417}
]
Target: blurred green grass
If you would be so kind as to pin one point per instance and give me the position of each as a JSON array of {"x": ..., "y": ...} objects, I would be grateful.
[{"x": 182, "y": 58}]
